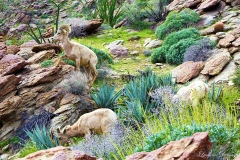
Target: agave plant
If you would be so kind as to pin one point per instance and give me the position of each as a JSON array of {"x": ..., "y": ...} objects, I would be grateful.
[
  {"x": 105, "y": 97},
  {"x": 42, "y": 138},
  {"x": 215, "y": 94}
]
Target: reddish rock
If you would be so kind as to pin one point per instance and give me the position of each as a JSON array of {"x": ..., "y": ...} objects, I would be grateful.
[
  {"x": 216, "y": 62},
  {"x": 22, "y": 27},
  {"x": 192, "y": 3},
  {"x": 226, "y": 41},
  {"x": 187, "y": 71},
  {"x": 233, "y": 50},
  {"x": 48, "y": 33},
  {"x": 12, "y": 49},
  {"x": 119, "y": 51},
  {"x": 235, "y": 32},
  {"x": 50, "y": 99},
  {"x": 208, "y": 4},
  {"x": 41, "y": 56},
  {"x": 3, "y": 45},
  {"x": 31, "y": 43},
  {"x": 10, "y": 64},
  {"x": 47, "y": 46},
  {"x": 59, "y": 153},
  {"x": 236, "y": 43},
  {"x": 38, "y": 76},
  {"x": 8, "y": 106},
  {"x": 174, "y": 5},
  {"x": 93, "y": 24},
  {"x": 8, "y": 83},
  {"x": 196, "y": 147}
]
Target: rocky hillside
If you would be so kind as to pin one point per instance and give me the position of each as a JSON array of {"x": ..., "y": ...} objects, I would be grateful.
[{"x": 28, "y": 89}]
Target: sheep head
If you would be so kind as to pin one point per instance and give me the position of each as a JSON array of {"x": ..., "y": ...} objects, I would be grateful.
[
  {"x": 67, "y": 133},
  {"x": 62, "y": 33}
]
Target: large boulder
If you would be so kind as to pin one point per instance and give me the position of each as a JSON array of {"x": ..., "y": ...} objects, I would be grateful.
[
  {"x": 10, "y": 64},
  {"x": 197, "y": 146},
  {"x": 59, "y": 153},
  {"x": 216, "y": 62},
  {"x": 187, "y": 71}
]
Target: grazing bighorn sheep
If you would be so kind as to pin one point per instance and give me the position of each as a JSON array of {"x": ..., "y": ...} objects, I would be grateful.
[
  {"x": 99, "y": 121},
  {"x": 81, "y": 54},
  {"x": 193, "y": 93}
]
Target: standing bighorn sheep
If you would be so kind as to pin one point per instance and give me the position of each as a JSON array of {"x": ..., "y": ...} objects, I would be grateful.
[
  {"x": 81, "y": 54},
  {"x": 99, "y": 121}
]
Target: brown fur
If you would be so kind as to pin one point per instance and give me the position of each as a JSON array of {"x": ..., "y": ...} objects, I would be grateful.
[
  {"x": 218, "y": 27},
  {"x": 99, "y": 121},
  {"x": 81, "y": 54}
]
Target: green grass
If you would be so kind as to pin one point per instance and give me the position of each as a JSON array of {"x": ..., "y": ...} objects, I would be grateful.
[{"x": 29, "y": 147}]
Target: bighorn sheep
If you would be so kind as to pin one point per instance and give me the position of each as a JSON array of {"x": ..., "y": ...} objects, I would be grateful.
[
  {"x": 81, "y": 54},
  {"x": 99, "y": 121},
  {"x": 193, "y": 93}
]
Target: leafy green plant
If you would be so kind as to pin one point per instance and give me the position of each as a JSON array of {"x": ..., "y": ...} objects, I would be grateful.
[
  {"x": 176, "y": 52},
  {"x": 106, "y": 98},
  {"x": 41, "y": 39},
  {"x": 47, "y": 63},
  {"x": 34, "y": 36},
  {"x": 29, "y": 147},
  {"x": 174, "y": 42},
  {"x": 108, "y": 12},
  {"x": 176, "y": 21},
  {"x": 215, "y": 94},
  {"x": 236, "y": 79},
  {"x": 220, "y": 136},
  {"x": 42, "y": 138}
]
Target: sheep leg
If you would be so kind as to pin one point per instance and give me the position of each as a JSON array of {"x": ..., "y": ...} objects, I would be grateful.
[
  {"x": 87, "y": 70},
  {"x": 58, "y": 62},
  {"x": 93, "y": 67},
  {"x": 78, "y": 64}
]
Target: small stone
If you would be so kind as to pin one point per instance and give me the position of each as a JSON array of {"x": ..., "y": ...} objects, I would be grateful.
[
  {"x": 158, "y": 64},
  {"x": 147, "y": 52},
  {"x": 134, "y": 53}
]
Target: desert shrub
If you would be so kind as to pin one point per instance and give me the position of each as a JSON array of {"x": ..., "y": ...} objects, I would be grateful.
[
  {"x": 105, "y": 97},
  {"x": 236, "y": 79},
  {"x": 176, "y": 21},
  {"x": 101, "y": 146},
  {"x": 215, "y": 94},
  {"x": 173, "y": 39},
  {"x": 74, "y": 82},
  {"x": 43, "y": 119},
  {"x": 159, "y": 54},
  {"x": 109, "y": 11},
  {"x": 199, "y": 51},
  {"x": 182, "y": 34},
  {"x": 47, "y": 63},
  {"x": 42, "y": 138},
  {"x": 176, "y": 52},
  {"x": 161, "y": 94},
  {"x": 220, "y": 136}
]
